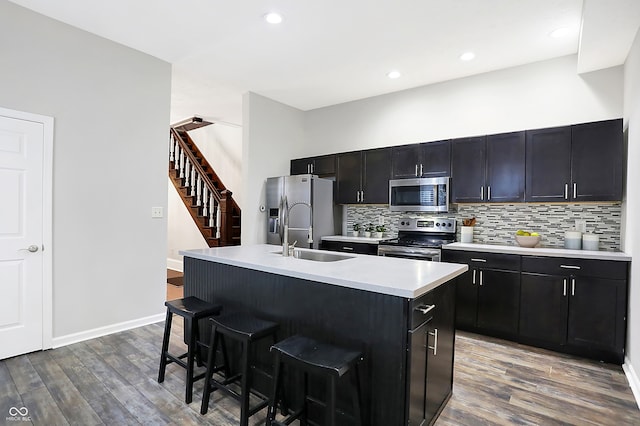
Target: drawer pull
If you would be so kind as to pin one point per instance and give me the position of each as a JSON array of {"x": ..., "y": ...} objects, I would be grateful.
[
  {"x": 475, "y": 259},
  {"x": 569, "y": 267},
  {"x": 425, "y": 309},
  {"x": 347, "y": 248}
]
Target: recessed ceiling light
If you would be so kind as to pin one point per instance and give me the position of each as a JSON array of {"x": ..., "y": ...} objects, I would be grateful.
[
  {"x": 393, "y": 74},
  {"x": 273, "y": 18},
  {"x": 467, "y": 56},
  {"x": 560, "y": 32}
]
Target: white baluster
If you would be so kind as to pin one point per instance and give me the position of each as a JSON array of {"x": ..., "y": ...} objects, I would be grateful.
[
  {"x": 171, "y": 147},
  {"x": 212, "y": 209},
  {"x": 194, "y": 172},
  {"x": 182, "y": 164},
  {"x": 199, "y": 191},
  {"x": 205, "y": 199},
  {"x": 187, "y": 171},
  {"x": 218, "y": 221},
  {"x": 176, "y": 164}
]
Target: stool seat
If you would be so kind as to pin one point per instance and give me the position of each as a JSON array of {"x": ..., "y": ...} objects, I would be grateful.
[
  {"x": 319, "y": 355},
  {"x": 244, "y": 326},
  {"x": 192, "y": 310},
  {"x": 192, "y": 307}
]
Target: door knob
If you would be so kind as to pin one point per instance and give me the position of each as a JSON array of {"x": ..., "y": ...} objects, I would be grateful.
[{"x": 32, "y": 248}]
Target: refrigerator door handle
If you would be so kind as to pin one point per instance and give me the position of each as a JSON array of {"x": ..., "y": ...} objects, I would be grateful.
[{"x": 280, "y": 222}]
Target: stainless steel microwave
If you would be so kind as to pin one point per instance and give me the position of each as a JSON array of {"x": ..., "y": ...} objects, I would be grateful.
[{"x": 419, "y": 195}]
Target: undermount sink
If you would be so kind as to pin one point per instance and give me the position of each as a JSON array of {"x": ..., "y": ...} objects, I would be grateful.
[{"x": 317, "y": 256}]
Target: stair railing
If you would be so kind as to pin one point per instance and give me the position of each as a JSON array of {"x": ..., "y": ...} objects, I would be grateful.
[{"x": 215, "y": 205}]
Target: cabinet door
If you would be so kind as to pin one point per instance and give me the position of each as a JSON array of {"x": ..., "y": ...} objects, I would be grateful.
[
  {"x": 505, "y": 167},
  {"x": 597, "y": 311},
  {"x": 543, "y": 307},
  {"x": 596, "y": 161},
  {"x": 348, "y": 177},
  {"x": 376, "y": 172},
  {"x": 499, "y": 301},
  {"x": 441, "y": 342},
  {"x": 467, "y": 299},
  {"x": 324, "y": 165},
  {"x": 300, "y": 166},
  {"x": 417, "y": 374},
  {"x": 406, "y": 161},
  {"x": 436, "y": 159},
  {"x": 548, "y": 158},
  {"x": 468, "y": 170}
]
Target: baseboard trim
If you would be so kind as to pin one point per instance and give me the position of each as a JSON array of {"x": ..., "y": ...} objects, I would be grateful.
[
  {"x": 174, "y": 264},
  {"x": 632, "y": 377},
  {"x": 103, "y": 331}
]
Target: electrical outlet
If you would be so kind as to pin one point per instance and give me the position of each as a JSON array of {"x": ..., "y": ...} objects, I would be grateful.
[
  {"x": 581, "y": 225},
  {"x": 156, "y": 212}
]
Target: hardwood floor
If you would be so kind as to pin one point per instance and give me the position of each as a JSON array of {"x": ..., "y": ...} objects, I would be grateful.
[{"x": 112, "y": 380}]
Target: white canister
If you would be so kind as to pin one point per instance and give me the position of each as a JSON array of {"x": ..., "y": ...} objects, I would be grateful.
[
  {"x": 573, "y": 240},
  {"x": 466, "y": 234},
  {"x": 590, "y": 242}
]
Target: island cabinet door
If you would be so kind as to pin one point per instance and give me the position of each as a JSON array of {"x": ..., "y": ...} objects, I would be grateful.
[{"x": 417, "y": 374}]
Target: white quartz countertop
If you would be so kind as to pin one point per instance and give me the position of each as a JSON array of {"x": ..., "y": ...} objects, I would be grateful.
[
  {"x": 386, "y": 275},
  {"x": 349, "y": 239},
  {"x": 540, "y": 251}
]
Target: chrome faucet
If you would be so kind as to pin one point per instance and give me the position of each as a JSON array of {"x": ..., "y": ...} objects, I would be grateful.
[{"x": 286, "y": 210}]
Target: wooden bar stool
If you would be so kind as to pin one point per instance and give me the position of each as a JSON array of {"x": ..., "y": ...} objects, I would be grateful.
[
  {"x": 320, "y": 359},
  {"x": 246, "y": 330},
  {"x": 191, "y": 309}
]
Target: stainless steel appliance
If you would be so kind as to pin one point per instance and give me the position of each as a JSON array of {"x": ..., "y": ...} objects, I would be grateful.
[
  {"x": 420, "y": 238},
  {"x": 419, "y": 195},
  {"x": 310, "y": 209}
]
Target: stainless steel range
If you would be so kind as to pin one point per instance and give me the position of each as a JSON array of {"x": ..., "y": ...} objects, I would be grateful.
[{"x": 420, "y": 238}]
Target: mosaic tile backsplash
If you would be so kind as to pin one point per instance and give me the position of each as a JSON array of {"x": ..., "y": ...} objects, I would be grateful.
[{"x": 497, "y": 223}]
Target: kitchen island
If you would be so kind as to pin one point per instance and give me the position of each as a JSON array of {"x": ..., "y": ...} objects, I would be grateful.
[{"x": 379, "y": 306}]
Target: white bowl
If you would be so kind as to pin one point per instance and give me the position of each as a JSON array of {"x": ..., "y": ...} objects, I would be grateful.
[{"x": 527, "y": 241}]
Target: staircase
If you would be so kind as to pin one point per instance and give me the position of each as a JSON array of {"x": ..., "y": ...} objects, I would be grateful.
[{"x": 210, "y": 204}]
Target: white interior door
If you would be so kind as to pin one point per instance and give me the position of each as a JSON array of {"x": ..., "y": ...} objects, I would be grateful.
[{"x": 21, "y": 236}]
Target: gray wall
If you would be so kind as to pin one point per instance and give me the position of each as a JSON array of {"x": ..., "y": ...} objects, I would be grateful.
[{"x": 111, "y": 109}]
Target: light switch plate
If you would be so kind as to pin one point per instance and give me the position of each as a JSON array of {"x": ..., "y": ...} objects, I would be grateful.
[{"x": 157, "y": 212}]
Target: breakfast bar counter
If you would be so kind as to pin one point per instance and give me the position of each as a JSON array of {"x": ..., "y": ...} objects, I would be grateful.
[{"x": 389, "y": 309}]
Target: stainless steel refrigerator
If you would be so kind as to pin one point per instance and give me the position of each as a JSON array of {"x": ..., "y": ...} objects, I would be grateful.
[{"x": 310, "y": 201}]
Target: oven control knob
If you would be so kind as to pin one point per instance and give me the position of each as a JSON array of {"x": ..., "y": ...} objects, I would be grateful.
[
  {"x": 438, "y": 224},
  {"x": 449, "y": 225}
]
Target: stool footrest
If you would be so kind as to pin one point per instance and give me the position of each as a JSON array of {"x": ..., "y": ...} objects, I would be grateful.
[{"x": 177, "y": 359}]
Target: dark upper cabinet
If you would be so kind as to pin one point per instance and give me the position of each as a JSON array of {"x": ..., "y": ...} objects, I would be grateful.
[
  {"x": 324, "y": 165},
  {"x": 505, "y": 172},
  {"x": 430, "y": 159},
  {"x": 468, "y": 158},
  {"x": 548, "y": 164},
  {"x": 597, "y": 161},
  {"x": 363, "y": 176}
]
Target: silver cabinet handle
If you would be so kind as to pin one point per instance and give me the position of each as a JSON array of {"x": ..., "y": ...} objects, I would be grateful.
[
  {"x": 569, "y": 267},
  {"x": 311, "y": 167},
  {"x": 424, "y": 309},
  {"x": 476, "y": 259},
  {"x": 564, "y": 292},
  {"x": 575, "y": 190},
  {"x": 32, "y": 248},
  {"x": 481, "y": 281},
  {"x": 566, "y": 191},
  {"x": 420, "y": 170},
  {"x": 308, "y": 170},
  {"x": 489, "y": 192},
  {"x": 434, "y": 348},
  {"x": 482, "y": 192},
  {"x": 474, "y": 276},
  {"x": 573, "y": 286},
  {"x": 357, "y": 196},
  {"x": 347, "y": 248},
  {"x": 416, "y": 172}
]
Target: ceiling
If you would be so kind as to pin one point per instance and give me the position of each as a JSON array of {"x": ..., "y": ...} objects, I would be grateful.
[{"x": 327, "y": 52}]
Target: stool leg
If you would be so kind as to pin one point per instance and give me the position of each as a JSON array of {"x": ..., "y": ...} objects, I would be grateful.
[
  {"x": 355, "y": 388},
  {"x": 332, "y": 402},
  {"x": 304, "y": 418},
  {"x": 191, "y": 349},
  {"x": 165, "y": 346},
  {"x": 275, "y": 390},
  {"x": 211, "y": 356},
  {"x": 244, "y": 386}
]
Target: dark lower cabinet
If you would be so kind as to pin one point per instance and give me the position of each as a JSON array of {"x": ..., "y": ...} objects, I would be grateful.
[
  {"x": 349, "y": 247},
  {"x": 418, "y": 358},
  {"x": 498, "y": 301},
  {"x": 543, "y": 307}
]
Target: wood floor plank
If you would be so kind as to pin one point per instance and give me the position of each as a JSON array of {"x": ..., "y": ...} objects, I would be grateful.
[{"x": 24, "y": 376}]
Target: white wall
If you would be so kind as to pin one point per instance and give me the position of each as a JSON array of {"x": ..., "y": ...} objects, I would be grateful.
[
  {"x": 632, "y": 211},
  {"x": 542, "y": 94},
  {"x": 221, "y": 144},
  {"x": 273, "y": 134},
  {"x": 111, "y": 110}
]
